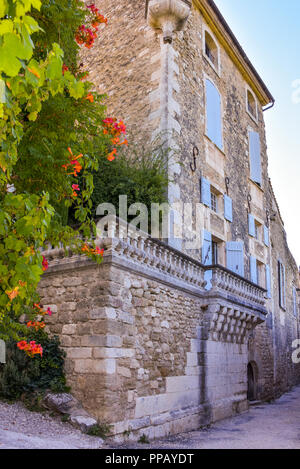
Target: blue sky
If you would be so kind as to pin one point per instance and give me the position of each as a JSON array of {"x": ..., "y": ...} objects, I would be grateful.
[{"x": 269, "y": 32}]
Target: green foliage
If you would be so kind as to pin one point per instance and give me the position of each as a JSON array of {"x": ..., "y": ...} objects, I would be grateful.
[
  {"x": 43, "y": 112},
  {"x": 140, "y": 172},
  {"x": 22, "y": 376},
  {"x": 101, "y": 429},
  {"x": 144, "y": 439}
]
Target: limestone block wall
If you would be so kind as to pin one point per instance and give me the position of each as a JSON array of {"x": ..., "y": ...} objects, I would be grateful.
[
  {"x": 148, "y": 349},
  {"x": 125, "y": 63},
  {"x": 131, "y": 344}
]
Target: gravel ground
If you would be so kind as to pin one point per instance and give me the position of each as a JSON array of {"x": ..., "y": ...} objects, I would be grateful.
[
  {"x": 267, "y": 426},
  {"x": 22, "y": 429}
]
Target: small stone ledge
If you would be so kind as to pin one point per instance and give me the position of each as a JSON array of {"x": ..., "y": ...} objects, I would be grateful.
[{"x": 66, "y": 404}]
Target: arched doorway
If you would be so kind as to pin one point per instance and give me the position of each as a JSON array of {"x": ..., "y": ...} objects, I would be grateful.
[{"x": 252, "y": 380}]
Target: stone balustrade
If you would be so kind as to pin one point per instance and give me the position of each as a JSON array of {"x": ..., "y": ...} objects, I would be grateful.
[
  {"x": 224, "y": 280},
  {"x": 136, "y": 250}
]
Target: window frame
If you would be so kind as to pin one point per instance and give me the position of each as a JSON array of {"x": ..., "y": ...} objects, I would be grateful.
[
  {"x": 281, "y": 285},
  {"x": 253, "y": 117},
  {"x": 214, "y": 205},
  {"x": 216, "y": 67}
]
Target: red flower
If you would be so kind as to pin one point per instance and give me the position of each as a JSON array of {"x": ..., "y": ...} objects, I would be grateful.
[
  {"x": 45, "y": 264},
  {"x": 64, "y": 69}
]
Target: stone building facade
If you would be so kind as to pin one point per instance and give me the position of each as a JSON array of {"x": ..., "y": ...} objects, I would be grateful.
[{"x": 168, "y": 336}]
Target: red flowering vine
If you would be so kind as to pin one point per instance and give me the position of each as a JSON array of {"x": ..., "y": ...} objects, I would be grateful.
[
  {"x": 91, "y": 252},
  {"x": 31, "y": 349},
  {"x": 37, "y": 325},
  {"x": 45, "y": 264},
  {"x": 73, "y": 164},
  {"x": 86, "y": 35},
  {"x": 115, "y": 129}
]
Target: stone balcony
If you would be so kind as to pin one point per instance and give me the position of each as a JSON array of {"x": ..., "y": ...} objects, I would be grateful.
[{"x": 135, "y": 251}]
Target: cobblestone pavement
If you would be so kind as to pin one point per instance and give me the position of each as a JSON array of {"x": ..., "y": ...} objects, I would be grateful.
[{"x": 266, "y": 426}]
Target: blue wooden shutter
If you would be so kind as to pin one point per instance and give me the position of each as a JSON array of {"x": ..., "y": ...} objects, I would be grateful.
[
  {"x": 206, "y": 248},
  {"x": 205, "y": 192},
  {"x": 251, "y": 223},
  {"x": 207, "y": 256},
  {"x": 255, "y": 157},
  {"x": 266, "y": 236},
  {"x": 213, "y": 114},
  {"x": 235, "y": 257},
  {"x": 176, "y": 243},
  {"x": 253, "y": 270},
  {"x": 283, "y": 289},
  {"x": 281, "y": 278},
  {"x": 268, "y": 281},
  {"x": 295, "y": 307},
  {"x": 228, "y": 208}
]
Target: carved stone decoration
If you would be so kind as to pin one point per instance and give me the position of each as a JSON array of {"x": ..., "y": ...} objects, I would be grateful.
[{"x": 168, "y": 15}]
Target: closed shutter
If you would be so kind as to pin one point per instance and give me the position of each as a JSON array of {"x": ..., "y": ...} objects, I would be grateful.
[
  {"x": 281, "y": 279},
  {"x": 207, "y": 256},
  {"x": 251, "y": 223},
  {"x": 295, "y": 302},
  {"x": 266, "y": 236},
  {"x": 176, "y": 243},
  {"x": 205, "y": 192},
  {"x": 235, "y": 257},
  {"x": 268, "y": 281},
  {"x": 255, "y": 157},
  {"x": 213, "y": 114},
  {"x": 253, "y": 270},
  {"x": 228, "y": 208}
]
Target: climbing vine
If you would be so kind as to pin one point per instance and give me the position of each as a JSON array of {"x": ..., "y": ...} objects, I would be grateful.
[{"x": 53, "y": 130}]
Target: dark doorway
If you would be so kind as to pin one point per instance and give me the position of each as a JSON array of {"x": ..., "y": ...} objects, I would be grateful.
[{"x": 251, "y": 394}]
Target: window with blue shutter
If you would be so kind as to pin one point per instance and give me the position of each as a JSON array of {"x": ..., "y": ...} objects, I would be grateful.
[
  {"x": 176, "y": 243},
  {"x": 228, "y": 208},
  {"x": 253, "y": 270},
  {"x": 235, "y": 257},
  {"x": 281, "y": 280},
  {"x": 207, "y": 256},
  {"x": 268, "y": 281},
  {"x": 251, "y": 223},
  {"x": 266, "y": 236},
  {"x": 213, "y": 114},
  {"x": 295, "y": 306},
  {"x": 206, "y": 248},
  {"x": 205, "y": 192},
  {"x": 255, "y": 157}
]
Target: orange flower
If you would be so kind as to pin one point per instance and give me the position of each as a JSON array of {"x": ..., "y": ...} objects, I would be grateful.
[
  {"x": 12, "y": 293},
  {"x": 36, "y": 325},
  {"x": 112, "y": 155},
  {"x": 74, "y": 164},
  {"x": 34, "y": 72},
  {"x": 22, "y": 284},
  {"x": 90, "y": 98},
  {"x": 85, "y": 248}
]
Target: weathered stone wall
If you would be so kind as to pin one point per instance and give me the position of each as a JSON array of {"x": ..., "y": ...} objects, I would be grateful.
[
  {"x": 212, "y": 163},
  {"x": 125, "y": 62},
  {"x": 148, "y": 349},
  {"x": 167, "y": 82}
]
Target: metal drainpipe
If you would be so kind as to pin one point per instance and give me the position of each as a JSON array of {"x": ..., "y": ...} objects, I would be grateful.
[{"x": 269, "y": 107}]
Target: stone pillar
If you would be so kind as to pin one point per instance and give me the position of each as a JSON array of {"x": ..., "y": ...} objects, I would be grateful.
[{"x": 169, "y": 16}]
